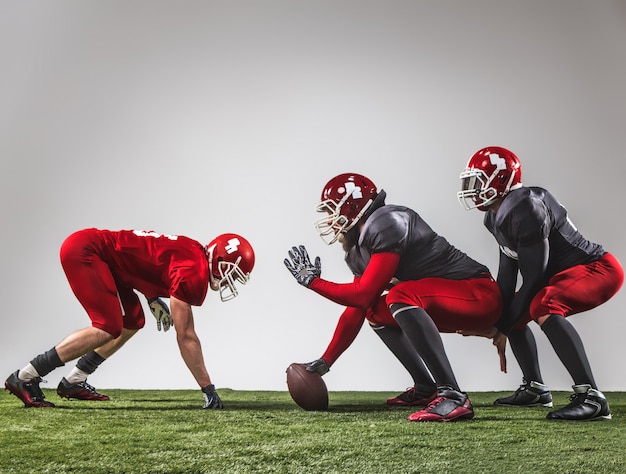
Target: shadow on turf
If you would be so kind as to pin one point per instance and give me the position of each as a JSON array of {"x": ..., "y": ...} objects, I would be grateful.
[
  {"x": 267, "y": 402},
  {"x": 484, "y": 412},
  {"x": 174, "y": 405},
  {"x": 265, "y": 408}
]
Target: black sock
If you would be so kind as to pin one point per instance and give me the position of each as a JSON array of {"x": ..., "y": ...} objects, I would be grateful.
[
  {"x": 404, "y": 351},
  {"x": 47, "y": 362},
  {"x": 569, "y": 347},
  {"x": 424, "y": 335},
  {"x": 90, "y": 362},
  {"x": 524, "y": 348}
]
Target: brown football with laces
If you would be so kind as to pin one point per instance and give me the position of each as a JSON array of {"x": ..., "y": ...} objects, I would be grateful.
[{"x": 307, "y": 389}]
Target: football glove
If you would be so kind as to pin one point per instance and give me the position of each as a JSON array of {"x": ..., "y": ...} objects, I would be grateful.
[
  {"x": 300, "y": 266},
  {"x": 320, "y": 366},
  {"x": 211, "y": 398},
  {"x": 161, "y": 313}
]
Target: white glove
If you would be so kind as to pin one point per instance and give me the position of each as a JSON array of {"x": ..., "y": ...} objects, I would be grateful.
[{"x": 161, "y": 313}]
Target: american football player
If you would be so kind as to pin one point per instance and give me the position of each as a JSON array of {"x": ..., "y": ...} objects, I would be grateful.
[
  {"x": 105, "y": 269},
  {"x": 562, "y": 274},
  {"x": 409, "y": 283}
]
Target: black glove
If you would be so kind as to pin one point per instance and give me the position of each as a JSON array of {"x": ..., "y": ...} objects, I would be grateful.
[
  {"x": 211, "y": 398},
  {"x": 301, "y": 267},
  {"x": 320, "y": 366},
  {"x": 161, "y": 313}
]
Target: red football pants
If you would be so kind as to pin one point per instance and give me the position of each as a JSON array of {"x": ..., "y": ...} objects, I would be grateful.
[
  {"x": 471, "y": 304},
  {"x": 579, "y": 288},
  {"x": 109, "y": 306}
]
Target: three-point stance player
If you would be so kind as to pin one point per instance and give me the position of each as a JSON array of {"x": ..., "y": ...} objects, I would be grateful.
[{"x": 104, "y": 268}]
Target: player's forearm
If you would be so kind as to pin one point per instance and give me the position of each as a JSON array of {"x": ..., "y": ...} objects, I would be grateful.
[
  {"x": 532, "y": 262},
  {"x": 345, "y": 294},
  {"x": 191, "y": 351},
  {"x": 347, "y": 329},
  {"x": 364, "y": 290},
  {"x": 518, "y": 308}
]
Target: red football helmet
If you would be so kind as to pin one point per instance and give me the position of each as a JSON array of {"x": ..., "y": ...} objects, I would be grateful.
[
  {"x": 345, "y": 199},
  {"x": 231, "y": 259},
  {"x": 490, "y": 174}
]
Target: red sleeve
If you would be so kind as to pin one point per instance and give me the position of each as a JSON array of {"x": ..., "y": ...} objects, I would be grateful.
[
  {"x": 362, "y": 292},
  {"x": 347, "y": 329}
]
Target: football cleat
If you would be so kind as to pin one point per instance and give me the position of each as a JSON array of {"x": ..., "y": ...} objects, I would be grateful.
[
  {"x": 29, "y": 392},
  {"x": 79, "y": 391},
  {"x": 412, "y": 397},
  {"x": 533, "y": 394},
  {"x": 450, "y": 405},
  {"x": 586, "y": 404}
]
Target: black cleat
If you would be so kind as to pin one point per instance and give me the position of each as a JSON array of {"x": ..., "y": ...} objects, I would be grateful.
[
  {"x": 533, "y": 394},
  {"x": 29, "y": 392},
  {"x": 586, "y": 404},
  {"x": 79, "y": 391}
]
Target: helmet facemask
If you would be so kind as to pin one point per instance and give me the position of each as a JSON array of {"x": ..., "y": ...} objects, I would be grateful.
[
  {"x": 227, "y": 274},
  {"x": 477, "y": 190},
  {"x": 334, "y": 224}
]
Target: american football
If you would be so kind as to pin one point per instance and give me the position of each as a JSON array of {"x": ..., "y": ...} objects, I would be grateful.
[{"x": 307, "y": 389}]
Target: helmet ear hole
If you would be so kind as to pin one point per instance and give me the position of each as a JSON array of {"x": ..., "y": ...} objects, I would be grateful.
[{"x": 218, "y": 265}]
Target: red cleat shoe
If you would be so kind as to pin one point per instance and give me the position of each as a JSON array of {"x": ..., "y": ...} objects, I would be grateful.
[
  {"x": 29, "y": 392},
  {"x": 450, "y": 405},
  {"x": 79, "y": 391},
  {"x": 412, "y": 397}
]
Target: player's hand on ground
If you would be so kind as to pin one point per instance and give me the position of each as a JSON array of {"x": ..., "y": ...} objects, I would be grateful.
[
  {"x": 499, "y": 340},
  {"x": 212, "y": 400},
  {"x": 161, "y": 313},
  {"x": 300, "y": 266},
  {"x": 320, "y": 366}
]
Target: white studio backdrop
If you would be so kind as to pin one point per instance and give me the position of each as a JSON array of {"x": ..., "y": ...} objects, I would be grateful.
[{"x": 203, "y": 117}]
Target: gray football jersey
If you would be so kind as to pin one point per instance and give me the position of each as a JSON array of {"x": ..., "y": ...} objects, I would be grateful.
[
  {"x": 530, "y": 214},
  {"x": 423, "y": 253}
]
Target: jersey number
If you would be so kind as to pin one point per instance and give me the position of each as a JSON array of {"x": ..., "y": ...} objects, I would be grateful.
[{"x": 143, "y": 233}]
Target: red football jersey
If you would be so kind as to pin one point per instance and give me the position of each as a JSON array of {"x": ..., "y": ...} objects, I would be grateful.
[{"x": 156, "y": 264}]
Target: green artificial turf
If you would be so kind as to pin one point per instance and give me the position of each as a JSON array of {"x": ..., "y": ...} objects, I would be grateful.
[{"x": 165, "y": 431}]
